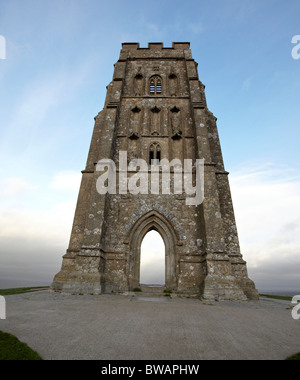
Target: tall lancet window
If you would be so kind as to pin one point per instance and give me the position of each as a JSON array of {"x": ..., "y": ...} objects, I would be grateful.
[
  {"x": 155, "y": 85},
  {"x": 154, "y": 154}
]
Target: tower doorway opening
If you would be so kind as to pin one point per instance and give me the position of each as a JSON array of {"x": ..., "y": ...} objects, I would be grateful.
[{"x": 153, "y": 260}]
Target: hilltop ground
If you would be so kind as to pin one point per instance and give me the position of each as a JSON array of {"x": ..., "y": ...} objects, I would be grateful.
[{"x": 124, "y": 327}]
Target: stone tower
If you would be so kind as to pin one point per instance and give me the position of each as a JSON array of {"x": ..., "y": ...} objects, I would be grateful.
[{"x": 155, "y": 109}]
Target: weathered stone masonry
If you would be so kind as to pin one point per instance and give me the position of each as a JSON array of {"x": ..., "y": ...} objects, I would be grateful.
[{"x": 156, "y": 108}]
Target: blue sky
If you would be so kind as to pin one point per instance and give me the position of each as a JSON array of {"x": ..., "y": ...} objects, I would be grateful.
[{"x": 59, "y": 60}]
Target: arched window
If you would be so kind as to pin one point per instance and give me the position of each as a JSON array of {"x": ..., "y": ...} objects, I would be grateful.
[
  {"x": 155, "y": 85},
  {"x": 154, "y": 154}
]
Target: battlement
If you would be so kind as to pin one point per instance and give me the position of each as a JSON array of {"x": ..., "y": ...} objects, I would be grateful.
[
  {"x": 155, "y": 46},
  {"x": 156, "y": 50}
]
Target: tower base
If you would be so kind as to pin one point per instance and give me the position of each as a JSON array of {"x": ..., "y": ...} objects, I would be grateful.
[{"x": 223, "y": 281}]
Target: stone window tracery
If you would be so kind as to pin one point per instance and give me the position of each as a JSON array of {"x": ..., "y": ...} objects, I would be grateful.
[
  {"x": 155, "y": 85},
  {"x": 154, "y": 154}
]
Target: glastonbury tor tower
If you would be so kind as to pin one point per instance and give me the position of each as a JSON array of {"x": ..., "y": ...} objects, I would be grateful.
[{"x": 155, "y": 109}]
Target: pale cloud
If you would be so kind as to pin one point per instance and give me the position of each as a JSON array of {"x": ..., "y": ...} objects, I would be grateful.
[
  {"x": 33, "y": 107},
  {"x": 247, "y": 83},
  {"x": 176, "y": 25},
  {"x": 153, "y": 28},
  {"x": 13, "y": 187},
  {"x": 32, "y": 242},
  {"x": 66, "y": 180},
  {"x": 46, "y": 215},
  {"x": 239, "y": 11},
  {"x": 33, "y": 224},
  {"x": 267, "y": 209},
  {"x": 196, "y": 28},
  {"x": 34, "y": 232}
]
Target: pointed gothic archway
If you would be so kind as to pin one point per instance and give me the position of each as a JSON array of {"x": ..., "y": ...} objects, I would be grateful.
[
  {"x": 152, "y": 221},
  {"x": 153, "y": 260}
]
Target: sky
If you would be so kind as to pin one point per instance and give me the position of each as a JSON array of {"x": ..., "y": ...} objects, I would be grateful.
[{"x": 59, "y": 60}]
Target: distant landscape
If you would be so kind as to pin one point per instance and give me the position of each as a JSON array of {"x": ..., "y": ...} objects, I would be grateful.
[
  {"x": 8, "y": 284},
  {"x": 288, "y": 293}
]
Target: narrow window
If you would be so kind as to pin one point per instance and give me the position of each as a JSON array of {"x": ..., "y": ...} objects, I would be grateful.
[
  {"x": 152, "y": 86},
  {"x": 158, "y": 86},
  {"x": 158, "y": 154},
  {"x": 151, "y": 157},
  {"x": 155, "y": 85},
  {"x": 154, "y": 154}
]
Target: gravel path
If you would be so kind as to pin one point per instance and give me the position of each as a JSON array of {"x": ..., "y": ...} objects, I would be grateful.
[{"x": 136, "y": 328}]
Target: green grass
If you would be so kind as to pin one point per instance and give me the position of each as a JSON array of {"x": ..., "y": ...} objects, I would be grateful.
[
  {"x": 294, "y": 357},
  {"x": 12, "y": 349},
  {"x": 284, "y": 298},
  {"x": 8, "y": 292}
]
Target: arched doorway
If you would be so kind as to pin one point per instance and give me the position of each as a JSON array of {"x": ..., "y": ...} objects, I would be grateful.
[
  {"x": 153, "y": 260},
  {"x": 149, "y": 222}
]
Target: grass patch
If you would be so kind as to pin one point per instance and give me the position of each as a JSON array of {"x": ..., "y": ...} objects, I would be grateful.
[
  {"x": 12, "y": 349},
  {"x": 137, "y": 290},
  {"x": 8, "y": 292},
  {"x": 284, "y": 298},
  {"x": 294, "y": 357}
]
